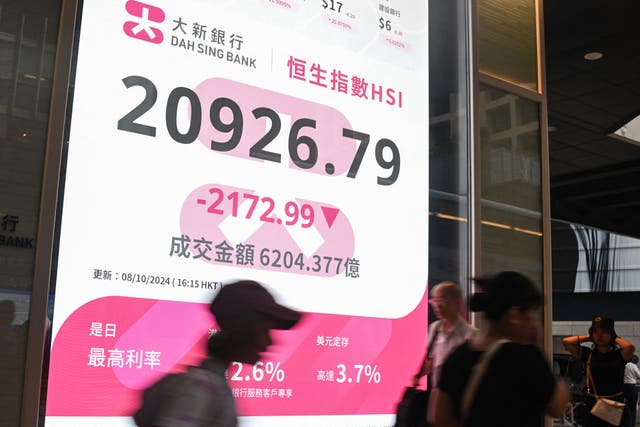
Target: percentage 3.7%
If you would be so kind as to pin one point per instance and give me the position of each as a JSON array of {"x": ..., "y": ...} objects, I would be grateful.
[{"x": 359, "y": 374}]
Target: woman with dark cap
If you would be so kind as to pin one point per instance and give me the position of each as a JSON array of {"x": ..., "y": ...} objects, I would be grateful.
[
  {"x": 500, "y": 378},
  {"x": 605, "y": 359}
]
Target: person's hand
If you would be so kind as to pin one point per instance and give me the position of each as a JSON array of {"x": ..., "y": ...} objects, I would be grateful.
[
  {"x": 416, "y": 380},
  {"x": 428, "y": 367},
  {"x": 560, "y": 400},
  {"x": 426, "y": 370}
]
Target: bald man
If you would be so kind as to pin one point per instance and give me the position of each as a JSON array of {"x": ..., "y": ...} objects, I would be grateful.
[{"x": 445, "y": 334}]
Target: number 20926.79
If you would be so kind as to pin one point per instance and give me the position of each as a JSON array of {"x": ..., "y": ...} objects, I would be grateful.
[{"x": 387, "y": 154}]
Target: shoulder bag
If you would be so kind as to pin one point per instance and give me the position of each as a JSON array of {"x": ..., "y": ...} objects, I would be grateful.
[
  {"x": 412, "y": 409},
  {"x": 605, "y": 409}
]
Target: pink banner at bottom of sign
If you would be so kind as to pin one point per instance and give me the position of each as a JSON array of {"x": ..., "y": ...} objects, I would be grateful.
[{"x": 111, "y": 348}]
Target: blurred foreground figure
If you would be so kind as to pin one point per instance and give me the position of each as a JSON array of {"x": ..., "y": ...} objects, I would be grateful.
[
  {"x": 500, "y": 378},
  {"x": 201, "y": 397}
]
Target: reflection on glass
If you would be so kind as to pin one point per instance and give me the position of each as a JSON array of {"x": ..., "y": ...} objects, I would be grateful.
[
  {"x": 28, "y": 32},
  {"x": 511, "y": 183},
  {"x": 591, "y": 260},
  {"x": 448, "y": 139},
  {"x": 507, "y": 43},
  {"x": 510, "y": 146}
]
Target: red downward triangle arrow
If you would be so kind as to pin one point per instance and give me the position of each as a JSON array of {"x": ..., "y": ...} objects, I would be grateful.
[{"x": 330, "y": 214}]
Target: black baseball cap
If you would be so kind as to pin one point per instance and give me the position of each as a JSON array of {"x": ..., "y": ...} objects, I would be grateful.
[
  {"x": 237, "y": 299},
  {"x": 605, "y": 323}
]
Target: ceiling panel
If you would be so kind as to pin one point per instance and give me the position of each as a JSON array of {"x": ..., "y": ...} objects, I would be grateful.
[{"x": 590, "y": 172}]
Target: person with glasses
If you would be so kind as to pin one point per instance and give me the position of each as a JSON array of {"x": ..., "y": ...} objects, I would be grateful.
[{"x": 445, "y": 334}]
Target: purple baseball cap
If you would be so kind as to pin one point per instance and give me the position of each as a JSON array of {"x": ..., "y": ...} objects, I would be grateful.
[{"x": 237, "y": 299}]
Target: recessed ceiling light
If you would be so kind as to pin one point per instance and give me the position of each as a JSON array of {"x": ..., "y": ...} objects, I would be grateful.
[{"x": 593, "y": 56}]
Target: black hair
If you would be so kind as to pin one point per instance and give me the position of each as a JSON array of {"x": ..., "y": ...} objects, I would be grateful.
[
  {"x": 606, "y": 323},
  {"x": 226, "y": 342},
  {"x": 501, "y": 292},
  {"x": 219, "y": 344}
]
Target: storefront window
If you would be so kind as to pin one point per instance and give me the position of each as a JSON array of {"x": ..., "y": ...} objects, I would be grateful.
[
  {"x": 449, "y": 140},
  {"x": 28, "y": 33}
]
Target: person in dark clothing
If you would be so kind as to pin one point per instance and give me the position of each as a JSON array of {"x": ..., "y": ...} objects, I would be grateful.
[
  {"x": 606, "y": 358},
  {"x": 517, "y": 387},
  {"x": 246, "y": 313}
]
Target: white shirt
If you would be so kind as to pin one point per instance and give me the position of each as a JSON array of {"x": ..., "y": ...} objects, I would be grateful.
[
  {"x": 631, "y": 373},
  {"x": 445, "y": 343}
]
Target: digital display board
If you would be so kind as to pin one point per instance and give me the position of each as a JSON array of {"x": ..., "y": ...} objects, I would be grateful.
[{"x": 283, "y": 141}]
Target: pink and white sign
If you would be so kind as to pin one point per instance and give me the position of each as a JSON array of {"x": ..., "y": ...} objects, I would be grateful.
[
  {"x": 330, "y": 364},
  {"x": 280, "y": 141}
]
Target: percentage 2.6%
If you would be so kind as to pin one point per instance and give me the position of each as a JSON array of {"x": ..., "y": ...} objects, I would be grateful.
[
  {"x": 371, "y": 374},
  {"x": 269, "y": 371}
]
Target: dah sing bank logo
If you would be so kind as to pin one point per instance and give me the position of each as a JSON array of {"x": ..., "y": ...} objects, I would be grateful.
[{"x": 142, "y": 28}]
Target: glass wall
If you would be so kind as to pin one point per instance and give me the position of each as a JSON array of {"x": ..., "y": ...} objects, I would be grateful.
[
  {"x": 449, "y": 141},
  {"x": 510, "y": 150},
  {"x": 507, "y": 41},
  {"x": 511, "y": 183},
  {"x": 28, "y": 31},
  {"x": 513, "y": 215}
]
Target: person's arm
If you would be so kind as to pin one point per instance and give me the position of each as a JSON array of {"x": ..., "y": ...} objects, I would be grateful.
[
  {"x": 424, "y": 369},
  {"x": 635, "y": 371},
  {"x": 626, "y": 348},
  {"x": 444, "y": 416},
  {"x": 560, "y": 399},
  {"x": 572, "y": 344},
  {"x": 425, "y": 366}
]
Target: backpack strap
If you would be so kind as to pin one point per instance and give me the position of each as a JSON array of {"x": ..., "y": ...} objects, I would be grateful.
[{"x": 432, "y": 338}]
